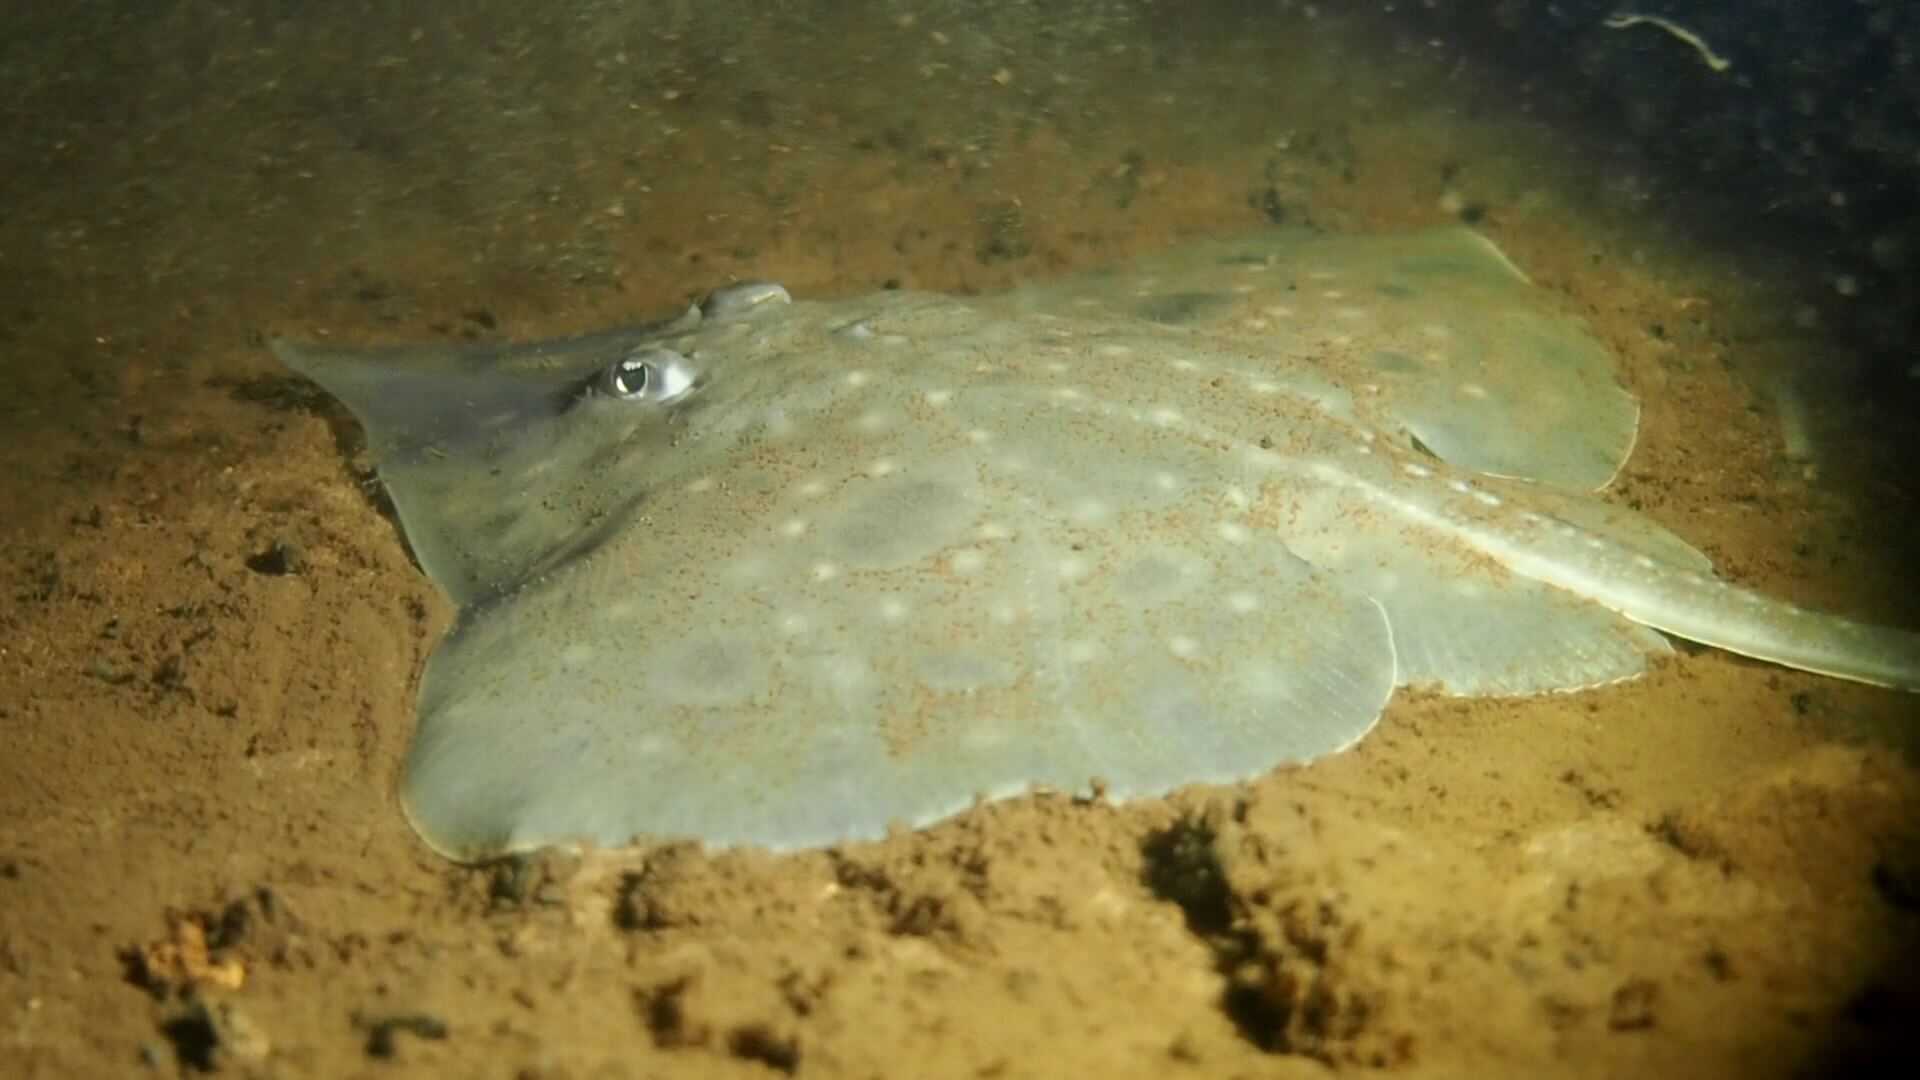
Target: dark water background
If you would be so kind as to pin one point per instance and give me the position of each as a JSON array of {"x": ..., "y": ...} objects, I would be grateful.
[{"x": 158, "y": 139}]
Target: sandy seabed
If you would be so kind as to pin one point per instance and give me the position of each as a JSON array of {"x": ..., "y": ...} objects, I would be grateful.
[{"x": 211, "y": 629}]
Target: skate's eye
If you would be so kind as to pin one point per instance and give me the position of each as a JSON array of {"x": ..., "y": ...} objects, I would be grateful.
[
  {"x": 647, "y": 374},
  {"x": 630, "y": 377}
]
